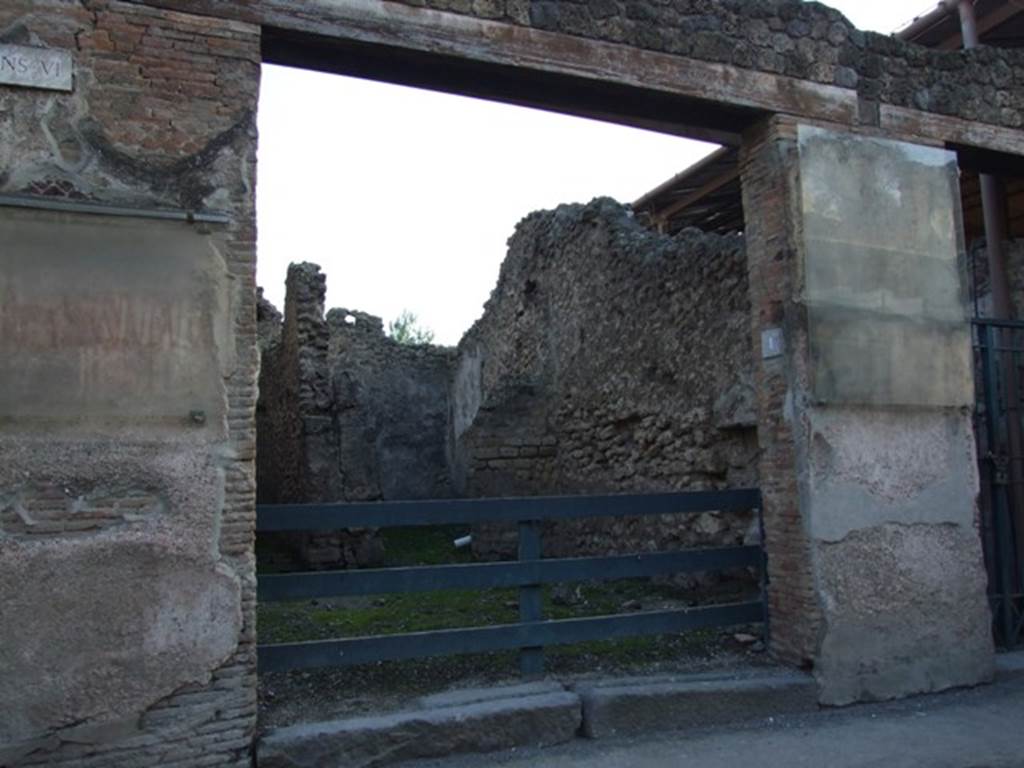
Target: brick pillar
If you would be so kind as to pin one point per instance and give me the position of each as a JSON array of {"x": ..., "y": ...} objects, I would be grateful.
[
  {"x": 864, "y": 368},
  {"x": 769, "y": 170},
  {"x": 128, "y": 366}
]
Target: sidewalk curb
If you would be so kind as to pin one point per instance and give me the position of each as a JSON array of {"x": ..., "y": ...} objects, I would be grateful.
[
  {"x": 539, "y": 715},
  {"x": 1009, "y": 665},
  {"x": 624, "y": 708}
]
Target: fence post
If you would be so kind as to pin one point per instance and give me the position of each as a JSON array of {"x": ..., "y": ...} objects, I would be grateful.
[
  {"x": 766, "y": 637},
  {"x": 992, "y": 363},
  {"x": 531, "y": 658}
]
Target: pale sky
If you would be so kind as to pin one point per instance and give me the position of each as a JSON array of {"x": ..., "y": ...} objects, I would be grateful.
[{"x": 406, "y": 198}]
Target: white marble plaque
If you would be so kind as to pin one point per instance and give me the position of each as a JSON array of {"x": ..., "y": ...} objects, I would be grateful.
[
  {"x": 884, "y": 272},
  {"x": 111, "y": 323},
  {"x": 35, "y": 67}
]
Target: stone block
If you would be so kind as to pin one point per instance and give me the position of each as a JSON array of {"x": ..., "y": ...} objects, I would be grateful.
[
  {"x": 460, "y": 722},
  {"x": 1010, "y": 665},
  {"x": 641, "y": 705}
]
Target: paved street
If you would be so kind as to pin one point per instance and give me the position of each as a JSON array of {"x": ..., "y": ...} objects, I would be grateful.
[{"x": 980, "y": 728}]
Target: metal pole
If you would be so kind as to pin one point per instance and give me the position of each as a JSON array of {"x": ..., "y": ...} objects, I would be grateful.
[
  {"x": 1002, "y": 588},
  {"x": 993, "y": 201}
]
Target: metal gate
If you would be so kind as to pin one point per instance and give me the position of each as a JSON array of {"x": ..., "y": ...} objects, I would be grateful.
[{"x": 999, "y": 355}]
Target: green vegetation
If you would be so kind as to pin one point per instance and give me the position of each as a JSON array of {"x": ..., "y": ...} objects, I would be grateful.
[
  {"x": 419, "y": 612},
  {"x": 405, "y": 329},
  {"x": 371, "y": 687},
  {"x": 424, "y": 545}
]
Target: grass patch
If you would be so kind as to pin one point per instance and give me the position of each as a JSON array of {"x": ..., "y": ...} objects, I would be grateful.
[
  {"x": 424, "y": 545},
  {"x": 344, "y": 617}
]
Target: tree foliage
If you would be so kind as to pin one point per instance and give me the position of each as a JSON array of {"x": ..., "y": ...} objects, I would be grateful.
[{"x": 405, "y": 329}]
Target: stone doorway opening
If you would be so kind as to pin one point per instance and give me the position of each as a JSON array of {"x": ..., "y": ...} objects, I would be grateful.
[{"x": 613, "y": 356}]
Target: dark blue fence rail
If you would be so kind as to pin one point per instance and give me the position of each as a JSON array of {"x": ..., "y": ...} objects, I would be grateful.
[{"x": 529, "y": 573}]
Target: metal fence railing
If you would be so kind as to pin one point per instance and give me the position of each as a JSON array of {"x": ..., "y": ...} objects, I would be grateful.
[
  {"x": 999, "y": 367},
  {"x": 532, "y": 633}
]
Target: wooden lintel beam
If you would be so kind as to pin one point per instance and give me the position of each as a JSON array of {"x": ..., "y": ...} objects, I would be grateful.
[{"x": 407, "y": 28}]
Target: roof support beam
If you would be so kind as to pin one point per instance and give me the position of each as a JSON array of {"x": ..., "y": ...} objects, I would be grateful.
[{"x": 711, "y": 97}]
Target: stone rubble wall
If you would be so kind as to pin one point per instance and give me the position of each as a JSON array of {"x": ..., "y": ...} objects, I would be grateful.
[
  {"x": 345, "y": 414},
  {"x": 391, "y": 410},
  {"x": 609, "y": 359},
  {"x": 981, "y": 293},
  {"x": 804, "y": 40},
  {"x": 297, "y": 448}
]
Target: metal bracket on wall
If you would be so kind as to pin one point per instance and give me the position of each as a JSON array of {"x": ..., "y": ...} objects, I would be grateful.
[
  {"x": 87, "y": 207},
  {"x": 1000, "y": 467}
]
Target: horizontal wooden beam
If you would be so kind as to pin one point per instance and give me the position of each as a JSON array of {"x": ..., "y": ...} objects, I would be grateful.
[
  {"x": 389, "y": 514},
  {"x": 449, "y": 642},
  {"x": 301, "y": 586},
  {"x": 633, "y": 106},
  {"x": 712, "y": 185},
  {"x": 913, "y": 125},
  {"x": 707, "y": 89}
]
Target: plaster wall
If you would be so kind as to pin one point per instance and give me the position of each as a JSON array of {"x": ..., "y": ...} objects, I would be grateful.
[
  {"x": 128, "y": 367},
  {"x": 891, "y": 475},
  {"x": 886, "y": 475}
]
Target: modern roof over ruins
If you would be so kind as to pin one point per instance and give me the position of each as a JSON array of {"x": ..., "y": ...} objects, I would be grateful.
[{"x": 707, "y": 195}]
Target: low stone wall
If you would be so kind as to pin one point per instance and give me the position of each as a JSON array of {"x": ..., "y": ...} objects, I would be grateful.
[{"x": 609, "y": 358}]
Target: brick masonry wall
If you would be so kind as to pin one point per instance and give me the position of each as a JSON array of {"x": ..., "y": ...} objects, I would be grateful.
[
  {"x": 769, "y": 170},
  {"x": 804, "y": 40},
  {"x": 162, "y": 114},
  {"x": 609, "y": 358}
]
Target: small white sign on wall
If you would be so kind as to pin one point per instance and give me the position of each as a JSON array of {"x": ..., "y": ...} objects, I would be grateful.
[
  {"x": 771, "y": 343},
  {"x": 30, "y": 67}
]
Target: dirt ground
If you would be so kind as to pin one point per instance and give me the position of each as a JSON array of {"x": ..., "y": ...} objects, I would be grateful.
[{"x": 312, "y": 695}]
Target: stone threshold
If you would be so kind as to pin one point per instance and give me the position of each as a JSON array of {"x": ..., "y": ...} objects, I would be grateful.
[{"x": 539, "y": 714}]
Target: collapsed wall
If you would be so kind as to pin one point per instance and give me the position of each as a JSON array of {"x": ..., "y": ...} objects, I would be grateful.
[
  {"x": 609, "y": 358},
  {"x": 390, "y": 410},
  {"x": 345, "y": 414}
]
